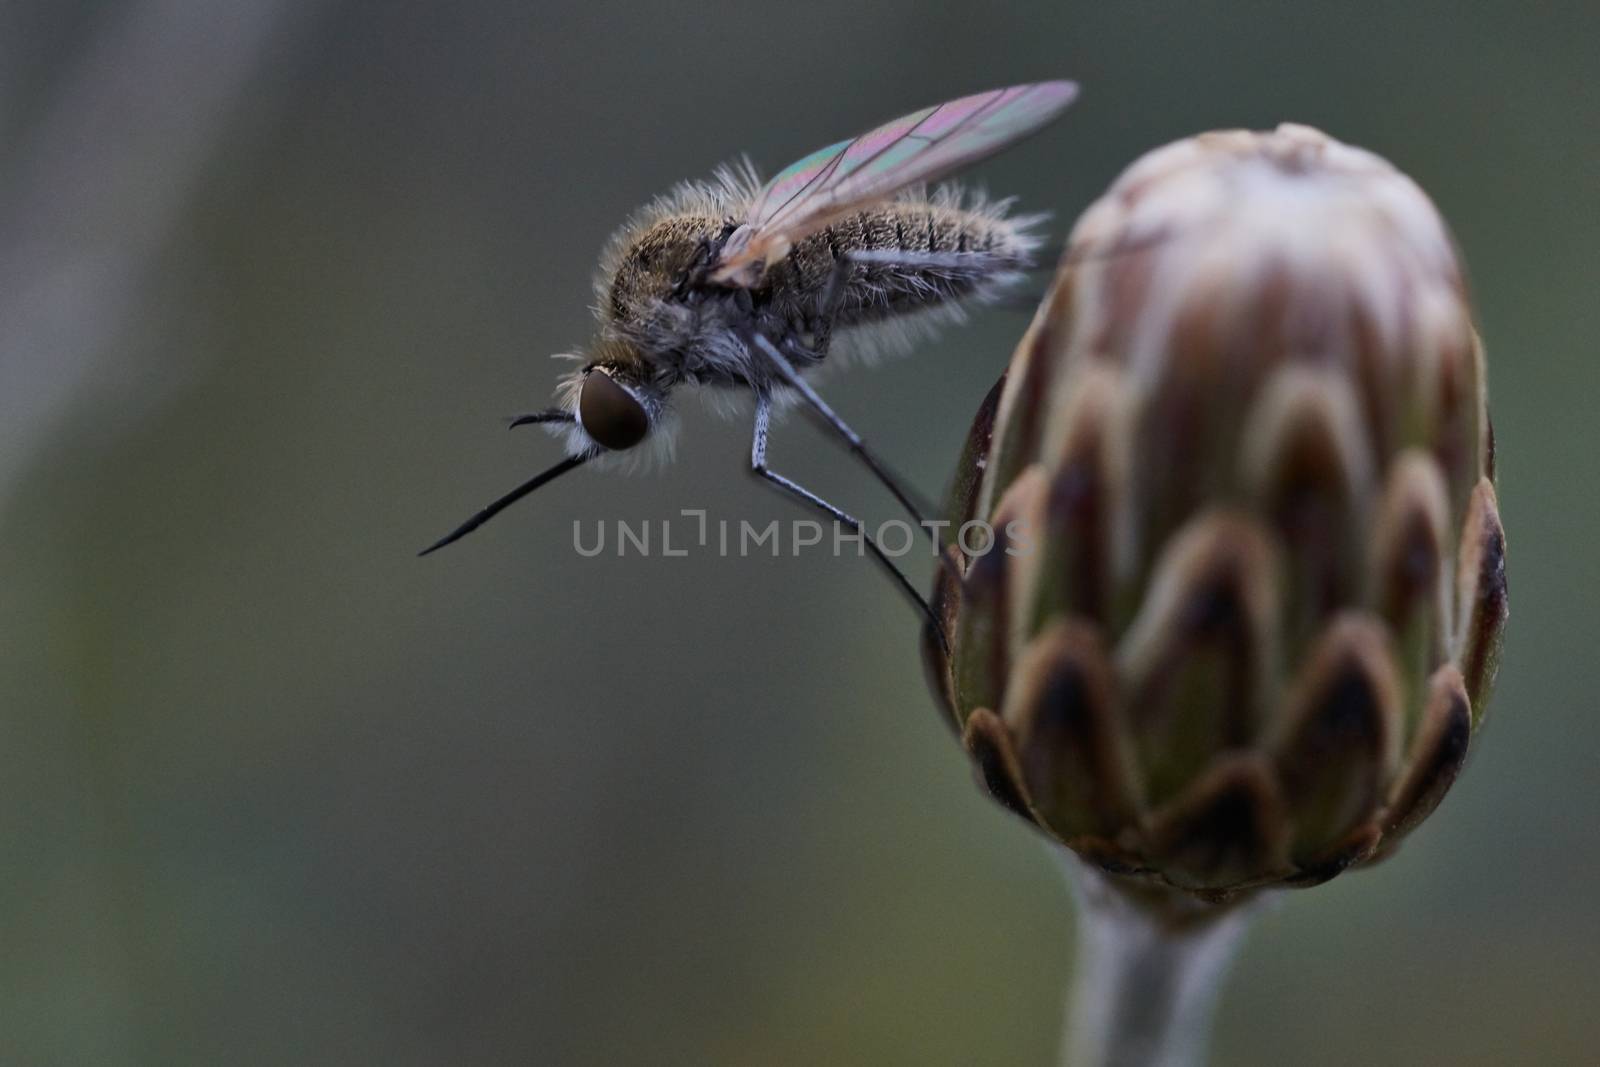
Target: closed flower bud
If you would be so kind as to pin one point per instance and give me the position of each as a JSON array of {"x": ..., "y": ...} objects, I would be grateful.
[{"x": 1247, "y": 619}]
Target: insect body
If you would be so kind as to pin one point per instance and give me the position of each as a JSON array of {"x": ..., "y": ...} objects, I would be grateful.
[
  {"x": 736, "y": 285},
  {"x": 888, "y": 266}
]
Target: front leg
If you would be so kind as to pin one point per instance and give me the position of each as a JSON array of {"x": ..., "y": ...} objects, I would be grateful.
[
  {"x": 758, "y": 467},
  {"x": 788, "y": 375}
]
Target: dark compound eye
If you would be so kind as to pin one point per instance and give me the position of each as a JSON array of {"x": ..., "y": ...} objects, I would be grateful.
[{"x": 610, "y": 414}]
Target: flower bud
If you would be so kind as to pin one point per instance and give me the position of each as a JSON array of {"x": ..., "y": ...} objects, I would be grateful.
[{"x": 1248, "y": 619}]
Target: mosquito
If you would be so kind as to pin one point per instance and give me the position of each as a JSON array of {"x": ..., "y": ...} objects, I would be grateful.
[{"x": 744, "y": 287}]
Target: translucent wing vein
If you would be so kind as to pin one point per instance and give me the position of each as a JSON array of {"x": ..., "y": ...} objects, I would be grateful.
[{"x": 923, "y": 146}]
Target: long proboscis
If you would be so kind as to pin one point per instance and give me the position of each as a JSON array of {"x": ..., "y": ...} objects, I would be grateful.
[{"x": 570, "y": 463}]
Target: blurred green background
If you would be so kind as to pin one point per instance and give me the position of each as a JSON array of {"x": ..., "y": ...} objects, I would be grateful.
[{"x": 272, "y": 790}]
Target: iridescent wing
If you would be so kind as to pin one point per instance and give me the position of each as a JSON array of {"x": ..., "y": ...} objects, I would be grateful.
[{"x": 923, "y": 146}]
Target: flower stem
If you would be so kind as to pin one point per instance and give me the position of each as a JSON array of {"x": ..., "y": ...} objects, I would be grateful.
[{"x": 1149, "y": 972}]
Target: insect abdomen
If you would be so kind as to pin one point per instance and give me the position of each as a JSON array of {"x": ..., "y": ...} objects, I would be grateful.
[{"x": 946, "y": 252}]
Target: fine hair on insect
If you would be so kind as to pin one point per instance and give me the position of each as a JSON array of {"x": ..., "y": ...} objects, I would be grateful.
[{"x": 744, "y": 287}]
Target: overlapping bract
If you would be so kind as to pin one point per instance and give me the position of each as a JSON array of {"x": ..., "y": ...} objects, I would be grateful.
[{"x": 1252, "y": 611}]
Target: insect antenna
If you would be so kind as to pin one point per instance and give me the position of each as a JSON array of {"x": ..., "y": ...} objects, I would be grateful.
[
  {"x": 570, "y": 463},
  {"x": 547, "y": 415}
]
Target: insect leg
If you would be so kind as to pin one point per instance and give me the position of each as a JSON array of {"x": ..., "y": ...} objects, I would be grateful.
[
  {"x": 758, "y": 466},
  {"x": 791, "y": 378},
  {"x": 832, "y": 304}
]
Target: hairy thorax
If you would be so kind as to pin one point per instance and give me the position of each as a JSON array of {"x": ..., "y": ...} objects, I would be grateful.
[{"x": 655, "y": 266}]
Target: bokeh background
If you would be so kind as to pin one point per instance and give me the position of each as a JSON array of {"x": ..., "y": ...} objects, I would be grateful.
[{"x": 272, "y": 790}]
